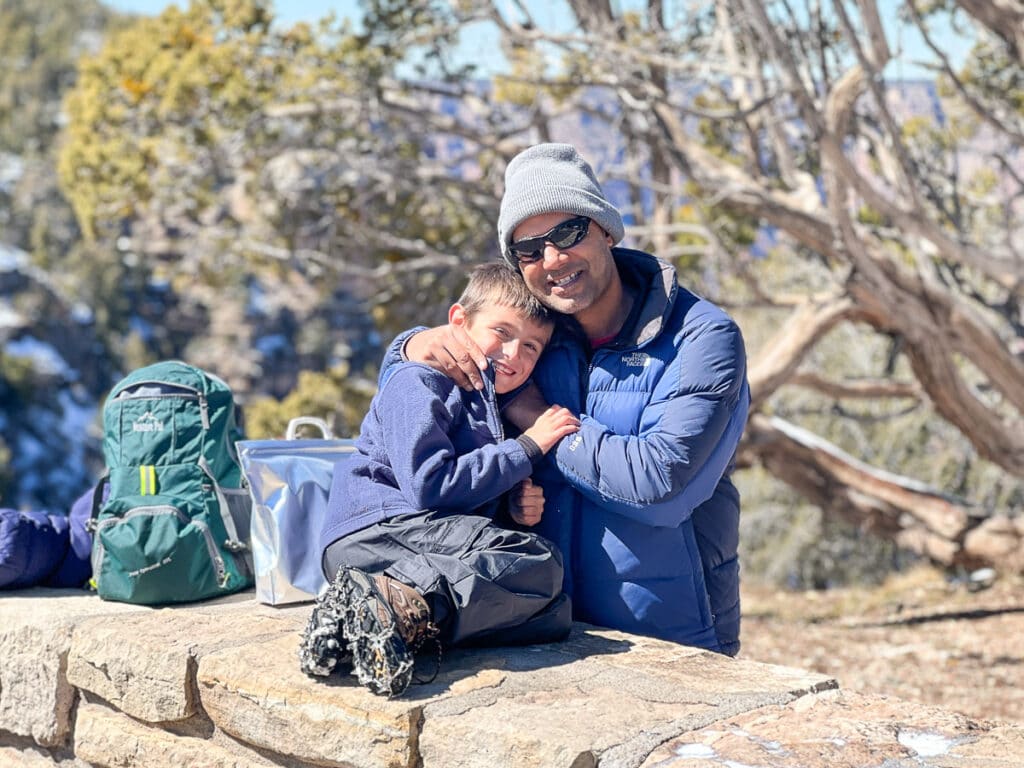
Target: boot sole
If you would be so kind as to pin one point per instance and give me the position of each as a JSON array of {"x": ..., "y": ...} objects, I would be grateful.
[
  {"x": 380, "y": 658},
  {"x": 321, "y": 650}
]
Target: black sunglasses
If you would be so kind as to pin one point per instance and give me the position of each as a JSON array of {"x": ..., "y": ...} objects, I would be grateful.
[{"x": 563, "y": 236}]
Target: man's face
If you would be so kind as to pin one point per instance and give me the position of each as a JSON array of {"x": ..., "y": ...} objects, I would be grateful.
[
  {"x": 567, "y": 280},
  {"x": 509, "y": 339}
]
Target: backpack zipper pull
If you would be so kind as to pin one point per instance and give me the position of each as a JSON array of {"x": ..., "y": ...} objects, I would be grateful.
[{"x": 204, "y": 411}]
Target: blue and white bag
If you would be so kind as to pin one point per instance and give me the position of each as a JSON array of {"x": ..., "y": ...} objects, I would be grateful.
[{"x": 289, "y": 481}]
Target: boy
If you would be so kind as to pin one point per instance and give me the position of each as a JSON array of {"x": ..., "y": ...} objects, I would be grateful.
[{"x": 410, "y": 538}]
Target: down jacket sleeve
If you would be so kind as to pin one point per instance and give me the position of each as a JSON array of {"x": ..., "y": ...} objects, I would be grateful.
[
  {"x": 43, "y": 549},
  {"x": 688, "y": 432}
]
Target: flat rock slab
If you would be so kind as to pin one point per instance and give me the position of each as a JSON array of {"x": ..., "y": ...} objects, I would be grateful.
[
  {"x": 598, "y": 696},
  {"x": 35, "y": 634},
  {"x": 846, "y": 730},
  {"x": 257, "y": 694},
  {"x": 105, "y": 737},
  {"x": 37, "y": 627},
  {"x": 145, "y": 664}
]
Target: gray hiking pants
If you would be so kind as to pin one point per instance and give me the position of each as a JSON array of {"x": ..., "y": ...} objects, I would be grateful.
[{"x": 486, "y": 585}]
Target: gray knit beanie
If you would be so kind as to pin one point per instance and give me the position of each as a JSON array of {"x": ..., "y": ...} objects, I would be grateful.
[{"x": 552, "y": 177}]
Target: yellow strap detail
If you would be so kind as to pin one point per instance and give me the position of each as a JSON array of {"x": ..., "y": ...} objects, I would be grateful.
[{"x": 147, "y": 480}]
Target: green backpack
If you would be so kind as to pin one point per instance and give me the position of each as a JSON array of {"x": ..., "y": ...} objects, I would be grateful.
[{"x": 175, "y": 524}]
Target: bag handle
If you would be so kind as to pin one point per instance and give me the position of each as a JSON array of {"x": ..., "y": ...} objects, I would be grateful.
[{"x": 312, "y": 421}]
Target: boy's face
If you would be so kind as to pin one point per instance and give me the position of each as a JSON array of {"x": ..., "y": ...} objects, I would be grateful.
[{"x": 510, "y": 340}]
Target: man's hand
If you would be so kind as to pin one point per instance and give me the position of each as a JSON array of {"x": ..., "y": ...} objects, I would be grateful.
[
  {"x": 448, "y": 349},
  {"x": 526, "y": 505}
]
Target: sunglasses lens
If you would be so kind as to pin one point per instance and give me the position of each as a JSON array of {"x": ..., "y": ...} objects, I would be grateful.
[
  {"x": 569, "y": 233},
  {"x": 528, "y": 251},
  {"x": 564, "y": 235}
]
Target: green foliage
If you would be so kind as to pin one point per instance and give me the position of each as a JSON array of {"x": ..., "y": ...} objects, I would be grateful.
[
  {"x": 789, "y": 543},
  {"x": 39, "y": 46},
  {"x": 868, "y": 215},
  {"x": 20, "y": 379},
  {"x": 996, "y": 77},
  {"x": 150, "y": 89},
  {"x": 334, "y": 396}
]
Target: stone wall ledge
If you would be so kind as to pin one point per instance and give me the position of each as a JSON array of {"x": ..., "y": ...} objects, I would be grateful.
[{"x": 85, "y": 682}]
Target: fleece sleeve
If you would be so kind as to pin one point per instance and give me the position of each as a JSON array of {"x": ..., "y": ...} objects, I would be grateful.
[
  {"x": 415, "y": 411},
  {"x": 394, "y": 354},
  {"x": 688, "y": 434}
]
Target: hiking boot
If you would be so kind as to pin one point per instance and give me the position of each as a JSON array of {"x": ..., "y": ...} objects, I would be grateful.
[
  {"x": 323, "y": 648},
  {"x": 385, "y": 623}
]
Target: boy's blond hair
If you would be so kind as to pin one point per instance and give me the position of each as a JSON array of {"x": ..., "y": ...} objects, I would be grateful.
[{"x": 497, "y": 284}]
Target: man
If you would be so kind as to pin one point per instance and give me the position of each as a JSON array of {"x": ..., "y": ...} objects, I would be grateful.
[{"x": 640, "y": 500}]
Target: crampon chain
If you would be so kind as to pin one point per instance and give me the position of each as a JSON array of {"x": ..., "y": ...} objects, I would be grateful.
[{"x": 321, "y": 648}]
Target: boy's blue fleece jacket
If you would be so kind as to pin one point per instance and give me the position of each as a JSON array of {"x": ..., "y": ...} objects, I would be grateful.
[{"x": 425, "y": 444}]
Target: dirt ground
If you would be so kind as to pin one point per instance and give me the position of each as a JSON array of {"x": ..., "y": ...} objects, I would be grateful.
[{"x": 918, "y": 637}]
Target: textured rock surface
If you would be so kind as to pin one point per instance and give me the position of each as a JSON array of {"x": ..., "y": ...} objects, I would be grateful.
[
  {"x": 845, "y": 729},
  {"x": 217, "y": 684},
  {"x": 35, "y": 635},
  {"x": 104, "y": 737},
  {"x": 334, "y": 723},
  {"x": 145, "y": 665}
]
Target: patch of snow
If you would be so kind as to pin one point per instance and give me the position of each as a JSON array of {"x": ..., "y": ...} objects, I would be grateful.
[
  {"x": 258, "y": 303},
  {"x": 12, "y": 168},
  {"x": 141, "y": 328},
  {"x": 45, "y": 359},
  {"x": 82, "y": 313},
  {"x": 925, "y": 743},
  {"x": 11, "y": 318},
  {"x": 12, "y": 259},
  {"x": 695, "y": 751},
  {"x": 77, "y": 418}
]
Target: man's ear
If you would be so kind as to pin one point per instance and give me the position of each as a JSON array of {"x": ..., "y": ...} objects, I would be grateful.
[{"x": 457, "y": 314}]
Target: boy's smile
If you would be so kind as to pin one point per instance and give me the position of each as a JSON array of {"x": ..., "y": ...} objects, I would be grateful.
[{"x": 512, "y": 342}]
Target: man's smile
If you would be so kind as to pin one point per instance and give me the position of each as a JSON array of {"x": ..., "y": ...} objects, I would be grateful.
[{"x": 565, "y": 282}]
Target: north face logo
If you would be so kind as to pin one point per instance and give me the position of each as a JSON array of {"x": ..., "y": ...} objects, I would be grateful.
[
  {"x": 636, "y": 360},
  {"x": 147, "y": 422}
]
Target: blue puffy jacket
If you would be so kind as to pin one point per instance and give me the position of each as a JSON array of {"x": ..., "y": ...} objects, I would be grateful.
[
  {"x": 640, "y": 500},
  {"x": 43, "y": 549}
]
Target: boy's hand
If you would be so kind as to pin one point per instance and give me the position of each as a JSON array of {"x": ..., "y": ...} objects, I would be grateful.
[
  {"x": 551, "y": 426},
  {"x": 527, "y": 503},
  {"x": 448, "y": 349}
]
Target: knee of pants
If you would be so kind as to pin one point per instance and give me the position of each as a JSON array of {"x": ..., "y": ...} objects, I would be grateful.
[{"x": 535, "y": 545}]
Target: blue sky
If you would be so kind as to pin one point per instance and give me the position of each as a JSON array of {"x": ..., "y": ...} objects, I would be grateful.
[
  {"x": 288, "y": 12},
  {"x": 480, "y": 45}
]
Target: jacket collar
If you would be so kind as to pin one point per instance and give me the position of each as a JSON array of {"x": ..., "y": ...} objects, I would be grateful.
[
  {"x": 654, "y": 284},
  {"x": 654, "y": 287}
]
